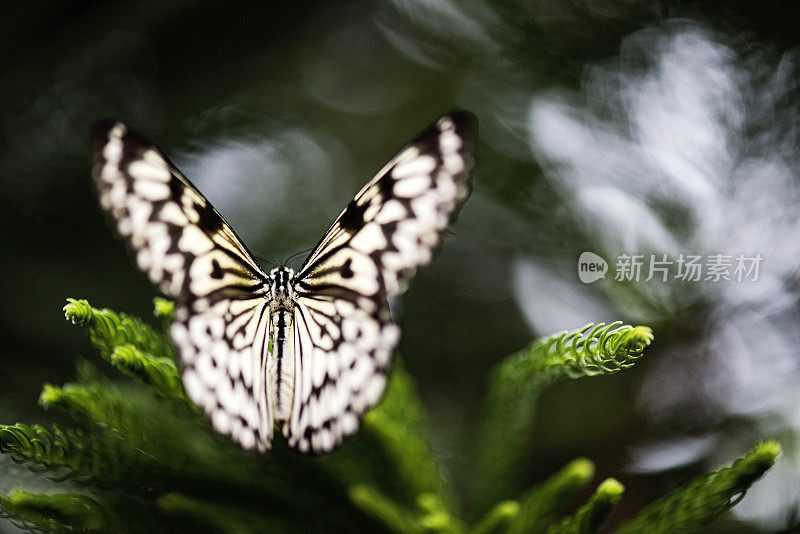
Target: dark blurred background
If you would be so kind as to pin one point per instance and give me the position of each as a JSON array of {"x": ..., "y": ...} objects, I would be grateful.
[{"x": 617, "y": 127}]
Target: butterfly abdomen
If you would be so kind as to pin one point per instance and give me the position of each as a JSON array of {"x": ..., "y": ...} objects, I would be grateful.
[{"x": 281, "y": 364}]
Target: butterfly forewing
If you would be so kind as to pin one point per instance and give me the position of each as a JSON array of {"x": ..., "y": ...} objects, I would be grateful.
[
  {"x": 180, "y": 241},
  {"x": 344, "y": 335},
  {"x": 398, "y": 217}
]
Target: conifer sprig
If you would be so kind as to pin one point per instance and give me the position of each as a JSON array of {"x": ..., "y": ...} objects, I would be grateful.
[
  {"x": 542, "y": 505},
  {"x": 591, "y": 517},
  {"x": 693, "y": 506},
  {"x": 498, "y": 518},
  {"x": 44, "y": 449},
  {"x": 517, "y": 382},
  {"x": 108, "y": 329},
  {"x": 158, "y": 372},
  {"x": 59, "y": 513},
  {"x": 399, "y": 424},
  {"x": 164, "y": 309},
  {"x": 147, "y": 462}
]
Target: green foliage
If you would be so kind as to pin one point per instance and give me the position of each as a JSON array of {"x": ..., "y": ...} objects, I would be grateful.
[
  {"x": 63, "y": 512},
  {"x": 498, "y": 519},
  {"x": 592, "y": 516},
  {"x": 400, "y": 425},
  {"x": 142, "y": 458},
  {"x": 429, "y": 514},
  {"x": 165, "y": 309},
  {"x": 200, "y": 515},
  {"x": 373, "y": 502},
  {"x": 43, "y": 448},
  {"x": 519, "y": 380},
  {"x": 108, "y": 329},
  {"x": 159, "y": 372},
  {"x": 695, "y": 505},
  {"x": 543, "y": 504}
]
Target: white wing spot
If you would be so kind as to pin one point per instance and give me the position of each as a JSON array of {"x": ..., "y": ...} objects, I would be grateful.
[
  {"x": 144, "y": 259},
  {"x": 369, "y": 239},
  {"x": 411, "y": 187},
  {"x": 411, "y": 167},
  {"x": 221, "y": 421},
  {"x": 449, "y": 141},
  {"x": 194, "y": 241},
  {"x": 171, "y": 213},
  {"x": 453, "y": 163},
  {"x": 110, "y": 171},
  {"x": 150, "y": 190},
  {"x": 445, "y": 123},
  {"x": 145, "y": 170},
  {"x": 116, "y": 195},
  {"x": 391, "y": 211}
]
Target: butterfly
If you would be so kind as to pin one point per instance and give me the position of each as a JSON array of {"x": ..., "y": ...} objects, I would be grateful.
[{"x": 309, "y": 350}]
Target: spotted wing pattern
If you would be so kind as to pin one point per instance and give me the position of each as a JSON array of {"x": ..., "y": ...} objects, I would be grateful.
[
  {"x": 185, "y": 246},
  {"x": 343, "y": 333}
]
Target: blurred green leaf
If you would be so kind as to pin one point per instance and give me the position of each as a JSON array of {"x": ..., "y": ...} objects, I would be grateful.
[
  {"x": 541, "y": 506},
  {"x": 391, "y": 514},
  {"x": 59, "y": 512},
  {"x": 591, "y": 517},
  {"x": 497, "y": 519}
]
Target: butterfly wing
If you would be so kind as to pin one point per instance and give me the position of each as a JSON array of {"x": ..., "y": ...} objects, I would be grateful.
[
  {"x": 185, "y": 247},
  {"x": 343, "y": 333}
]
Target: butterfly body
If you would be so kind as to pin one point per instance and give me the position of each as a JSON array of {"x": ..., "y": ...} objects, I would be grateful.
[
  {"x": 308, "y": 350},
  {"x": 281, "y": 364}
]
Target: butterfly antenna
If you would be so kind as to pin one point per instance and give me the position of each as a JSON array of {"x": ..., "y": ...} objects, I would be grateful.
[
  {"x": 295, "y": 255},
  {"x": 262, "y": 259}
]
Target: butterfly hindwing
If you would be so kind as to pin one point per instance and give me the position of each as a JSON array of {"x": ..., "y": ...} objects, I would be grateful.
[
  {"x": 343, "y": 333},
  {"x": 185, "y": 247},
  {"x": 342, "y": 349}
]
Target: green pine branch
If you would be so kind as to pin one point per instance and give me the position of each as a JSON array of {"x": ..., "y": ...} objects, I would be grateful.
[
  {"x": 498, "y": 519},
  {"x": 195, "y": 515},
  {"x": 399, "y": 424},
  {"x": 61, "y": 512},
  {"x": 145, "y": 446},
  {"x": 591, "y": 517},
  {"x": 429, "y": 515},
  {"x": 108, "y": 329},
  {"x": 695, "y": 505},
  {"x": 517, "y": 382},
  {"x": 391, "y": 514},
  {"x": 542, "y": 505},
  {"x": 165, "y": 310},
  {"x": 148, "y": 462},
  {"x": 407, "y": 481},
  {"x": 133, "y": 347},
  {"x": 158, "y": 372},
  {"x": 44, "y": 449}
]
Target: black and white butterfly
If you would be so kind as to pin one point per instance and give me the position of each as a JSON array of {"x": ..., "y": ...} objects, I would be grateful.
[{"x": 307, "y": 350}]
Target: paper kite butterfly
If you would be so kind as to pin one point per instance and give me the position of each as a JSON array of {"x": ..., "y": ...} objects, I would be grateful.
[{"x": 308, "y": 350}]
